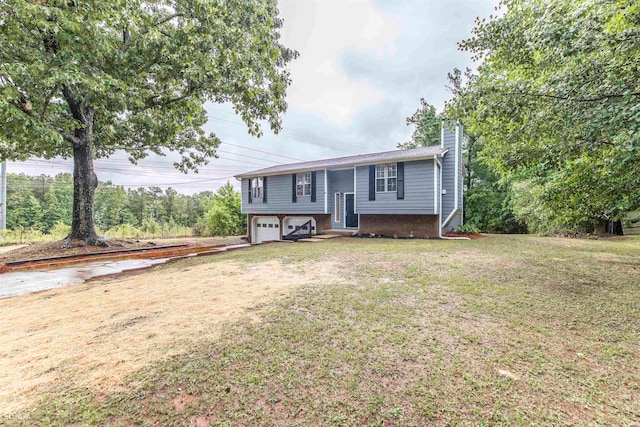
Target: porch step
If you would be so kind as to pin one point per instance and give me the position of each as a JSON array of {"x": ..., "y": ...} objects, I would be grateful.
[
  {"x": 327, "y": 236},
  {"x": 310, "y": 240},
  {"x": 340, "y": 232}
]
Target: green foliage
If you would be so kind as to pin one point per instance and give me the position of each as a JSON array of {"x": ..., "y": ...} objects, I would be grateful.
[
  {"x": 555, "y": 104},
  {"x": 145, "y": 68},
  {"x": 487, "y": 197},
  {"x": 467, "y": 228},
  {"x": 223, "y": 217},
  {"x": 23, "y": 235},
  {"x": 44, "y": 204},
  {"x": 59, "y": 231},
  {"x": 427, "y": 124},
  {"x": 124, "y": 231},
  {"x": 85, "y": 79}
]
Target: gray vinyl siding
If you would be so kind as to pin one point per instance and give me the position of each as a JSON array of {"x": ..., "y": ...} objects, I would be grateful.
[
  {"x": 453, "y": 224},
  {"x": 279, "y": 191},
  {"x": 418, "y": 192},
  {"x": 448, "y": 173},
  {"x": 339, "y": 182}
]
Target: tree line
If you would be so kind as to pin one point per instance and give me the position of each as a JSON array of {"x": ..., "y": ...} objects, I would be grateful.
[
  {"x": 43, "y": 203},
  {"x": 552, "y": 117}
]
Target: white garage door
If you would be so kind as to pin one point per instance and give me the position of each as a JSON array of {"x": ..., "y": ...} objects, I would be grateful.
[{"x": 266, "y": 228}]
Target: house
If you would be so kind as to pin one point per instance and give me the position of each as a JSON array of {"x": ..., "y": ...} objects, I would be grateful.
[{"x": 404, "y": 193}]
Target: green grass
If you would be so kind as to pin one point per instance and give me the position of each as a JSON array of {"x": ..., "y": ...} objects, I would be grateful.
[{"x": 408, "y": 333}]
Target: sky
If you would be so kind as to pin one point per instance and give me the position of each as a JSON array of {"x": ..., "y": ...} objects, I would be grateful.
[{"x": 362, "y": 69}]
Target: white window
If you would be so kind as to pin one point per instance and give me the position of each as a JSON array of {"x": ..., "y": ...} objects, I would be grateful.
[
  {"x": 337, "y": 209},
  {"x": 256, "y": 188},
  {"x": 303, "y": 184},
  {"x": 386, "y": 178}
]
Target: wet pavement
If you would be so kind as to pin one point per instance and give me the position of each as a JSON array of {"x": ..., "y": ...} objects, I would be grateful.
[{"x": 24, "y": 282}]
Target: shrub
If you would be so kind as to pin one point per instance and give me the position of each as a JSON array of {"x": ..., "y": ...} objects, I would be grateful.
[{"x": 468, "y": 229}]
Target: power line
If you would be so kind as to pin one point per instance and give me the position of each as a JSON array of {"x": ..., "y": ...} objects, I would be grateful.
[
  {"x": 304, "y": 134},
  {"x": 261, "y": 151}
]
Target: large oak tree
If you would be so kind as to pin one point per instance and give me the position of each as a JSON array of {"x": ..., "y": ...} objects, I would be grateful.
[
  {"x": 83, "y": 79},
  {"x": 556, "y": 103}
]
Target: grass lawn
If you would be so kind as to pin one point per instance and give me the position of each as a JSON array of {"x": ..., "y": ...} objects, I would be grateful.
[{"x": 505, "y": 330}]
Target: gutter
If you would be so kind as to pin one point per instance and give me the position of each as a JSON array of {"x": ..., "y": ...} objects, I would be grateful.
[{"x": 258, "y": 173}]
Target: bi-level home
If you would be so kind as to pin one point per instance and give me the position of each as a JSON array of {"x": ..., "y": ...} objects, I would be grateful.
[{"x": 400, "y": 193}]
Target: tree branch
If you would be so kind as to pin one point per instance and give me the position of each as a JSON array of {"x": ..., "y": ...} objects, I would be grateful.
[
  {"x": 48, "y": 101},
  {"x": 126, "y": 35},
  {"x": 155, "y": 102},
  {"x": 594, "y": 98},
  {"x": 69, "y": 137}
]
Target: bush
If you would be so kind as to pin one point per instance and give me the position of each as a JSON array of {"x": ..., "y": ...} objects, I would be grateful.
[
  {"x": 124, "y": 231},
  {"x": 468, "y": 229},
  {"x": 222, "y": 222},
  {"x": 59, "y": 231},
  {"x": 22, "y": 235}
]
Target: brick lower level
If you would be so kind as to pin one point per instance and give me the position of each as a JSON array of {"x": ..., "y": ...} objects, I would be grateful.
[
  {"x": 399, "y": 225},
  {"x": 323, "y": 222}
]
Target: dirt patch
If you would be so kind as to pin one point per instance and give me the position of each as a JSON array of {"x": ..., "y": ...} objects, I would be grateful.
[
  {"x": 4, "y": 249},
  {"x": 183, "y": 400},
  {"x": 472, "y": 236},
  {"x": 94, "y": 335},
  {"x": 50, "y": 249}
]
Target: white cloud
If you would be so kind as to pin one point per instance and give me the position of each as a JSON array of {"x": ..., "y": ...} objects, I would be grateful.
[{"x": 320, "y": 31}]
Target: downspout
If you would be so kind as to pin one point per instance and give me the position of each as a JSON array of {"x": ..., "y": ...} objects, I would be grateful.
[
  {"x": 326, "y": 193},
  {"x": 249, "y": 234},
  {"x": 440, "y": 198}
]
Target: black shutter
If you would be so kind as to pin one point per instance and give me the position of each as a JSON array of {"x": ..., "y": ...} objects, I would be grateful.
[
  {"x": 293, "y": 190},
  {"x": 372, "y": 182},
  {"x": 249, "y": 199},
  {"x": 264, "y": 189},
  {"x": 400, "y": 180},
  {"x": 313, "y": 187}
]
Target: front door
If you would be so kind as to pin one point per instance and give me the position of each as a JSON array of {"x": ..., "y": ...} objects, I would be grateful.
[{"x": 350, "y": 217}]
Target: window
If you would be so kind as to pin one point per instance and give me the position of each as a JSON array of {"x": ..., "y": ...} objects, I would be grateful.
[
  {"x": 337, "y": 209},
  {"x": 386, "y": 178},
  {"x": 303, "y": 184},
  {"x": 256, "y": 188}
]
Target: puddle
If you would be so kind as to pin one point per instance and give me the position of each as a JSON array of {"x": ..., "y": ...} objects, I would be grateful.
[{"x": 24, "y": 282}]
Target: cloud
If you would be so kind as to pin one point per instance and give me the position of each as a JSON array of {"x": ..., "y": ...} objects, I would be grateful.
[
  {"x": 363, "y": 67},
  {"x": 320, "y": 30}
]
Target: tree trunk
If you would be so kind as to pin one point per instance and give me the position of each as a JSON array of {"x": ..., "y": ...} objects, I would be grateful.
[
  {"x": 600, "y": 227},
  {"x": 85, "y": 182}
]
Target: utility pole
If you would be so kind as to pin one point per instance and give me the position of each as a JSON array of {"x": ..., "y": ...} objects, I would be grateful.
[{"x": 3, "y": 196}]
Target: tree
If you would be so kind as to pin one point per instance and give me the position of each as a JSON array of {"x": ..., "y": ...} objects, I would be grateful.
[
  {"x": 224, "y": 218},
  {"x": 83, "y": 79},
  {"x": 427, "y": 124},
  {"x": 23, "y": 208},
  {"x": 487, "y": 197},
  {"x": 112, "y": 207},
  {"x": 555, "y": 103}
]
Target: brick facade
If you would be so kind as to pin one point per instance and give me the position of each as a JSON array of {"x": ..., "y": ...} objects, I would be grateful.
[
  {"x": 323, "y": 221},
  {"x": 399, "y": 225}
]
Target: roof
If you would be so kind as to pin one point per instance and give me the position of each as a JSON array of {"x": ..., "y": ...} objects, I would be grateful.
[{"x": 351, "y": 161}]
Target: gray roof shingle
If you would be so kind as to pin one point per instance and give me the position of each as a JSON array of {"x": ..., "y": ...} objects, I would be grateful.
[{"x": 349, "y": 161}]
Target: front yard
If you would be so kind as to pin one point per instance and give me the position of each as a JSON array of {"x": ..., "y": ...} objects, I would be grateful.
[{"x": 505, "y": 330}]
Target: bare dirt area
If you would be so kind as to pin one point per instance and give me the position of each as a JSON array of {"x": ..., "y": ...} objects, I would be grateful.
[
  {"x": 4, "y": 249},
  {"x": 51, "y": 249},
  {"x": 94, "y": 335}
]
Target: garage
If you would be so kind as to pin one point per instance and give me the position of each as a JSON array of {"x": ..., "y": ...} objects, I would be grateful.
[
  {"x": 290, "y": 223},
  {"x": 265, "y": 228}
]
